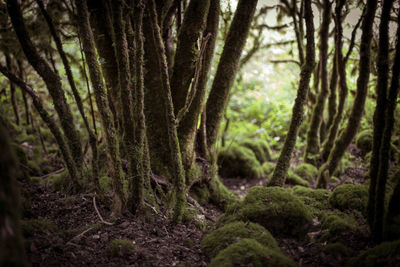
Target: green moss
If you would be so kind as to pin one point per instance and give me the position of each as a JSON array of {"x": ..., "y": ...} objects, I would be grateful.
[
  {"x": 340, "y": 226},
  {"x": 200, "y": 193},
  {"x": 338, "y": 250},
  {"x": 34, "y": 168},
  {"x": 105, "y": 183},
  {"x": 220, "y": 195},
  {"x": 314, "y": 198},
  {"x": 345, "y": 163},
  {"x": 334, "y": 180},
  {"x": 248, "y": 252},
  {"x": 230, "y": 233},
  {"x": 268, "y": 167},
  {"x": 270, "y": 206},
  {"x": 39, "y": 225},
  {"x": 238, "y": 161},
  {"x": 59, "y": 181},
  {"x": 295, "y": 179},
  {"x": 385, "y": 254},
  {"x": 120, "y": 247},
  {"x": 306, "y": 171},
  {"x": 260, "y": 149},
  {"x": 349, "y": 196},
  {"x": 364, "y": 140}
]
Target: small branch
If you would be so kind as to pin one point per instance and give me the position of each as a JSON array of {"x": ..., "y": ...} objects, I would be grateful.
[
  {"x": 285, "y": 61},
  {"x": 51, "y": 173},
  {"x": 98, "y": 213},
  {"x": 78, "y": 236}
]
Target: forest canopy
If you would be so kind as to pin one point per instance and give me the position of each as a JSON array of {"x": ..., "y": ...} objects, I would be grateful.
[{"x": 230, "y": 132}]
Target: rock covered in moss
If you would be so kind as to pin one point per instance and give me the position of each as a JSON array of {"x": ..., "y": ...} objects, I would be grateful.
[
  {"x": 268, "y": 167},
  {"x": 260, "y": 149},
  {"x": 230, "y": 233},
  {"x": 294, "y": 179},
  {"x": 385, "y": 254},
  {"x": 350, "y": 196},
  {"x": 338, "y": 250},
  {"x": 364, "y": 140},
  {"x": 239, "y": 161},
  {"x": 315, "y": 198},
  {"x": 306, "y": 171},
  {"x": 340, "y": 227},
  {"x": 248, "y": 252},
  {"x": 276, "y": 209}
]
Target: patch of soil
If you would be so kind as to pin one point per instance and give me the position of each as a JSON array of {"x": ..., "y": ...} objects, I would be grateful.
[{"x": 156, "y": 241}]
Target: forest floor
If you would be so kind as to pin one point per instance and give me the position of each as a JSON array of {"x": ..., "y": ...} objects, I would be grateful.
[{"x": 65, "y": 230}]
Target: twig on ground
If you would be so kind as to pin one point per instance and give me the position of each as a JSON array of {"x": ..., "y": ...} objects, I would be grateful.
[
  {"x": 98, "y": 213},
  {"x": 78, "y": 236}
]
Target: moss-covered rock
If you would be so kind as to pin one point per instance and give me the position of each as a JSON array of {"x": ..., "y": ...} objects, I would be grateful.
[
  {"x": 248, "y": 252},
  {"x": 268, "y": 167},
  {"x": 270, "y": 207},
  {"x": 340, "y": 227},
  {"x": 338, "y": 250},
  {"x": 364, "y": 140},
  {"x": 385, "y": 254},
  {"x": 350, "y": 196},
  {"x": 230, "y": 233},
  {"x": 260, "y": 149},
  {"x": 306, "y": 171},
  {"x": 239, "y": 161},
  {"x": 120, "y": 247},
  {"x": 294, "y": 179},
  {"x": 315, "y": 198}
]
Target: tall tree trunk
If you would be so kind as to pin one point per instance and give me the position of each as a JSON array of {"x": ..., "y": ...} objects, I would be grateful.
[
  {"x": 227, "y": 68},
  {"x": 387, "y": 104},
  {"x": 26, "y": 103},
  {"x": 14, "y": 101},
  {"x": 102, "y": 105},
  {"x": 348, "y": 134},
  {"x": 282, "y": 166},
  {"x": 332, "y": 99},
  {"x": 51, "y": 79},
  {"x": 175, "y": 153},
  {"x": 12, "y": 251},
  {"x": 312, "y": 147}
]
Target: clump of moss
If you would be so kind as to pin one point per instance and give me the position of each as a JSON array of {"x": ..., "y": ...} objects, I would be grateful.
[
  {"x": 306, "y": 171},
  {"x": 249, "y": 252},
  {"x": 364, "y": 140},
  {"x": 270, "y": 206},
  {"x": 315, "y": 198},
  {"x": 334, "y": 180},
  {"x": 230, "y": 233},
  {"x": 268, "y": 167},
  {"x": 338, "y": 250},
  {"x": 105, "y": 183},
  {"x": 340, "y": 226},
  {"x": 59, "y": 181},
  {"x": 260, "y": 149},
  {"x": 385, "y": 254},
  {"x": 238, "y": 161},
  {"x": 39, "y": 225},
  {"x": 120, "y": 247},
  {"x": 294, "y": 179},
  {"x": 350, "y": 196}
]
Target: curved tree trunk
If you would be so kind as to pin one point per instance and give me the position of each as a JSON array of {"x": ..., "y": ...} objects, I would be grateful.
[
  {"x": 332, "y": 100},
  {"x": 282, "y": 166},
  {"x": 348, "y": 134},
  {"x": 313, "y": 138}
]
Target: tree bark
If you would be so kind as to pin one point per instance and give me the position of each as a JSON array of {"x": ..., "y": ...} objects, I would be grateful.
[
  {"x": 282, "y": 166},
  {"x": 14, "y": 101}
]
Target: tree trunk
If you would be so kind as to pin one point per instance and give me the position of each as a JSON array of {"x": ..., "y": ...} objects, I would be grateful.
[
  {"x": 348, "y": 134},
  {"x": 313, "y": 138},
  {"x": 282, "y": 166},
  {"x": 332, "y": 100},
  {"x": 14, "y": 101},
  {"x": 12, "y": 250},
  {"x": 101, "y": 99}
]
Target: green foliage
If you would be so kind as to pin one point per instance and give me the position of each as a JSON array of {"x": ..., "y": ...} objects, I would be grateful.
[
  {"x": 260, "y": 149},
  {"x": 364, "y": 140},
  {"x": 39, "y": 225},
  {"x": 270, "y": 206},
  {"x": 385, "y": 254},
  {"x": 238, "y": 161},
  {"x": 230, "y": 233},
  {"x": 249, "y": 252},
  {"x": 294, "y": 179},
  {"x": 268, "y": 167},
  {"x": 120, "y": 247},
  {"x": 350, "y": 197},
  {"x": 306, "y": 171}
]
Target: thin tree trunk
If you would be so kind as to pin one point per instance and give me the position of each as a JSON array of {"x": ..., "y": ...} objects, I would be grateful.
[
  {"x": 14, "y": 101},
  {"x": 332, "y": 99},
  {"x": 26, "y": 103},
  {"x": 348, "y": 134},
  {"x": 282, "y": 166},
  {"x": 313, "y": 138},
  {"x": 102, "y": 105}
]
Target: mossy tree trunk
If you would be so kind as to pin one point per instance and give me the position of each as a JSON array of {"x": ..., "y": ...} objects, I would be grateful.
[
  {"x": 12, "y": 250},
  {"x": 282, "y": 166},
  {"x": 26, "y": 103},
  {"x": 14, "y": 100},
  {"x": 169, "y": 116},
  {"x": 109, "y": 130},
  {"x": 357, "y": 110},
  {"x": 332, "y": 99},
  {"x": 313, "y": 138},
  {"x": 51, "y": 79},
  {"x": 227, "y": 68},
  {"x": 383, "y": 125}
]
